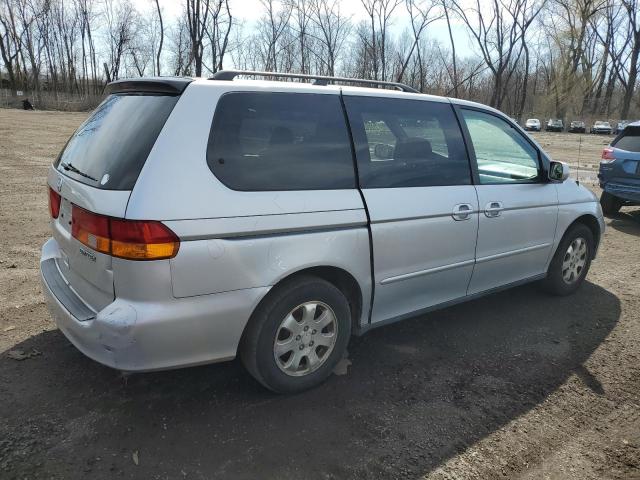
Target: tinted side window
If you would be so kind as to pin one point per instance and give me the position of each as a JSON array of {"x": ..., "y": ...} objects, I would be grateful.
[
  {"x": 629, "y": 140},
  {"x": 280, "y": 141},
  {"x": 407, "y": 143},
  {"x": 503, "y": 154}
]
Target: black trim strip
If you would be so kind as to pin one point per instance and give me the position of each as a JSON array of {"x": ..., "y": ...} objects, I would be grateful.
[
  {"x": 161, "y": 85},
  {"x": 440, "y": 306},
  {"x": 364, "y": 203},
  {"x": 61, "y": 290}
]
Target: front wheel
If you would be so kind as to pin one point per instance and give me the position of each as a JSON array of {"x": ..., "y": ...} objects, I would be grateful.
[
  {"x": 610, "y": 203},
  {"x": 571, "y": 262},
  {"x": 297, "y": 335}
]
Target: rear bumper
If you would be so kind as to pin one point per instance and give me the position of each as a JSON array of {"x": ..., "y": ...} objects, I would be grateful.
[
  {"x": 625, "y": 191},
  {"x": 144, "y": 336}
]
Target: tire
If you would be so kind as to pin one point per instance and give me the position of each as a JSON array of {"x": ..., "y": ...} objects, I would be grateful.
[
  {"x": 300, "y": 337},
  {"x": 559, "y": 280},
  {"x": 610, "y": 203}
]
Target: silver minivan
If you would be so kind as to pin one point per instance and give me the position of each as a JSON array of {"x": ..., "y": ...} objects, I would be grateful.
[{"x": 199, "y": 219}]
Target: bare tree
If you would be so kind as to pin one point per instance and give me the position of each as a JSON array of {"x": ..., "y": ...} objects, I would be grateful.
[
  {"x": 627, "y": 59},
  {"x": 161, "y": 37},
  {"x": 332, "y": 29},
  {"x": 197, "y": 15},
  {"x": 271, "y": 28},
  {"x": 454, "y": 66},
  {"x": 499, "y": 32},
  {"x": 218, "y": 30},
  {"x": 379, "y": 13},
  {"x": 422, "y": 13}
]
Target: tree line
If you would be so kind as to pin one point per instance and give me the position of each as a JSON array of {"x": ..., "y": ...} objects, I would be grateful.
[{"x": 552, "y": 57}]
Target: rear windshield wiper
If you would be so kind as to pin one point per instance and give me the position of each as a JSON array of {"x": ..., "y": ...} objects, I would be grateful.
[{"x": 71, "y": 168}]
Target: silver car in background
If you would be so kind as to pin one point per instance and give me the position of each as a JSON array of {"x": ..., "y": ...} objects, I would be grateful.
[{"x": 196, "y": 220}]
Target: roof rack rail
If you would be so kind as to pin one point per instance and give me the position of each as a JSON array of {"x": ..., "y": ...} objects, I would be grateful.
[{"x": 319, "y": 79}]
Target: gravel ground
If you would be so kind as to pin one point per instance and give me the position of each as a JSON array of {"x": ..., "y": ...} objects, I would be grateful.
[{"x": 515, "y": 385}]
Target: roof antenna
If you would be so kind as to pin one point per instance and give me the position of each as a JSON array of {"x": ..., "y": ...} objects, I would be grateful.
[{"x": 579, "y": 151}]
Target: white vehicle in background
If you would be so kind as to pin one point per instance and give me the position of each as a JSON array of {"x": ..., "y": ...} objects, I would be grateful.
[{"x": 533, "y": 125}]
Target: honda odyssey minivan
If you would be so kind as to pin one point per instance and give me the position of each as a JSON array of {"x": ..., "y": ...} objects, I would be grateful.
[{"x": 196, "y": 220}]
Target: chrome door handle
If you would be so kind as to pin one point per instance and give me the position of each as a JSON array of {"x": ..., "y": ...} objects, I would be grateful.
[
  {"x": 462, "y": 211},
  {"x": 493, "y": 209}
]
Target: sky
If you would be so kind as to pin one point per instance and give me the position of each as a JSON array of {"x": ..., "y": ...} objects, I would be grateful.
[{"x": 250, "y": 12}]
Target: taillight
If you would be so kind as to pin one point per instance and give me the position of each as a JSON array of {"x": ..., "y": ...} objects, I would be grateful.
[
  {"x": 91, "y": 229},
  {"x": 54, "y": 203},
  {"x": 130, "y": 239},
  {"x": 607, "y": 155},
  {"x": 142, "y": 240}
]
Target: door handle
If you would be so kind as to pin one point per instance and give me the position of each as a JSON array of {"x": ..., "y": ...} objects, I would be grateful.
[
  {"x": 493, "y": 209},
  {"x": 462, "y": 211}
]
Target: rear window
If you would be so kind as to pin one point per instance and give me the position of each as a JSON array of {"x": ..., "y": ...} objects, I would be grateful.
[
  {"x": 280, "y": 141},
  {"x": 629, "y": 140},
  {"x": 111, "y": 146}
]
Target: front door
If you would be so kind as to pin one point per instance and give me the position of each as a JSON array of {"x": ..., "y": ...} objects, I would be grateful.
[
  {"x": 518, "y": 206},
  {"x": 415, "y": 178}
]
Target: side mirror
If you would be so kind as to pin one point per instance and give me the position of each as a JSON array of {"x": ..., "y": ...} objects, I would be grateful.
[
  {"x": 558, "y": 172},
  {"x": 382, "y": 151}
]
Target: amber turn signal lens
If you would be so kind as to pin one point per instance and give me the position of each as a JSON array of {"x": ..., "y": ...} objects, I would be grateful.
[{"x": 129, "y": 239}]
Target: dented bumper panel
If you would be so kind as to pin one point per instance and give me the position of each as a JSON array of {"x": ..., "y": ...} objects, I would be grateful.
[{"x": 134, "y": 335}]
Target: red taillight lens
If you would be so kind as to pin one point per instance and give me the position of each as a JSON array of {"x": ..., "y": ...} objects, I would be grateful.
[
  {"x": 142, "y": 240},
  {"x": 607, "y": 155},
  {"x": 91, "y": 229},
  {"x": 54, "y": 203},
  {"x": 130, "y": 239}
]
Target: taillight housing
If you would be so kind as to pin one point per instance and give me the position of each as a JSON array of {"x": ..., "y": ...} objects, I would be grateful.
[
  {"x": 54, "y": 203},
  {"x": 607, "y": 155},
  {"x": 130, "y": 239}
]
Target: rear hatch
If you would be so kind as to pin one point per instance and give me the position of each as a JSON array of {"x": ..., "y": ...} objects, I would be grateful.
[
  {"x": 627, "y": 146},
  {"x": 620, "y": 165},
  {"x": 91, "y": 181}
]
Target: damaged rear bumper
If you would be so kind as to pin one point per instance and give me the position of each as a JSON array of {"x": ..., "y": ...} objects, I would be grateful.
[{"x": 143, "y": 336}]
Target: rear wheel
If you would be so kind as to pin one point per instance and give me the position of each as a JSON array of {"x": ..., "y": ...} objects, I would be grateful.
[
  {"x": 297, "y": 335},
  {"x": 571, "y": 261},
  {"x": 610, "y": 203}
]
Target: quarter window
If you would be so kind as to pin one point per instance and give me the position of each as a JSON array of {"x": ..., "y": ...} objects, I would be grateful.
[
  {"x": 280, "y": 141},
  {"x": 630, "y": 140},
  {"x": 407, "y": 143},
  {"x": 503, "y": 154}
]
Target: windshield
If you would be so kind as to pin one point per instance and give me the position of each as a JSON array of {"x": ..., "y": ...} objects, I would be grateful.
[{"x": 111, "y": 146}]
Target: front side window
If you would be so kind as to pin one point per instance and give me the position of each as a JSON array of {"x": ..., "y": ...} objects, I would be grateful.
[
  {"x": 407, "y": 143},
  {"x": 502, "y": 153},
  {"x": 280, "y": 141}
]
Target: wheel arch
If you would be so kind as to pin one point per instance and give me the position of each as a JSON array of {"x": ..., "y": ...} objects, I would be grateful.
[
  {"x": 591, "y": 222},
  {"x": 338, "y": 277}
]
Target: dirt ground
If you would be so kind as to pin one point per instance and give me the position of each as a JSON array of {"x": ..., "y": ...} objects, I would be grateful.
[{"x": 515, "y": 385}]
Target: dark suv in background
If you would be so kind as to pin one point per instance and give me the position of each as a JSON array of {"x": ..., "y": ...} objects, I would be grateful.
[
  {"x": 577, "y": 126},
  {"x": 620, "y": 170},
  {"x": 554, "y": 125}
]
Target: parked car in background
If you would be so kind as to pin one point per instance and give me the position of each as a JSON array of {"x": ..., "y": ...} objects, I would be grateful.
[
  {"x": 577, "y": 126},
  {"x": 619, "y": 173},
  {"x": 554, "y": 125},
  {"x": 621, "y": 124},
  {"x": 533, "y": 125},
  {"x": 283, "y": 230},
  {"x": 601, "y": 127}
]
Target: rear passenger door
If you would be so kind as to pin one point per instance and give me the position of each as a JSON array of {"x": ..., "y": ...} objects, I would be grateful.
[
  {"x": 415, "y": 177},
  {"x": 518, "y": 206}
]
